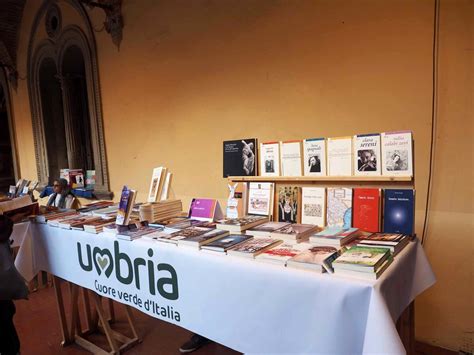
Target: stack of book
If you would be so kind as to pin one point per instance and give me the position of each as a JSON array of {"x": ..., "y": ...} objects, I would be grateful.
[
  {"x": 254, "y": 247},
  {"x": 175, "y": 236},
  {"x": 237, "y": 225},
  {"x": 296, "y": 233},
  {"x": 363, "y": 262},
  {"x": 54, "y": 219},
  {"x": 395, "y": 242},
  {"x": 282, "y": 253},
  {"x": 334, "y": 236},
  {"x": 95, "y": 206},
  {"x": 78, "y": 222},
  {"x": 317, "y": 259},
  {"x": 106, "y": 212},
  {"x": 161, "y": 210},
  {"x": 98, "y": 225},
  {"x": 136, "y": 232}
]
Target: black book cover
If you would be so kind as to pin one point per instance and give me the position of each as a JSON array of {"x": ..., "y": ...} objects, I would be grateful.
[{"x": 240, "y": 157}]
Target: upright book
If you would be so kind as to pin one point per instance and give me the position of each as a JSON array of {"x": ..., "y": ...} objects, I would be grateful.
[
  {"x": 367, "y": 209},
  {"x": 203, "y": 209},
  {"x": 127, "y": 199},
  {"x": 166, "y": 187},
  {"x": 288, "y": 204},
  {"x": 314, "y": 157},
  {"x": 397, "y": 153},
  {"x": 339, "y": 207},
  {"x": 269, "y": 159},
  {"x": 399, "y": 209},
  {"x": 339, "y": 156},
  {"x": 313, "y": 205},
  {"x": 155, "y": 184},
  {"x": 367, "y": 155},
  {"x": 240, "y": 157},
  {"x": 290, "y": 152},
  {"x": 237, "y": 200},
  {"x": 260, "y": 200}
]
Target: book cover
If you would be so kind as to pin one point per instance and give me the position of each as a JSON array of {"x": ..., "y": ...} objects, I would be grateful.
[
  {"x": 260, "y": 201},
  {"x": 314, "y": 157},
  {"x": 266, "y": 228},
  {"x": 397, "y": 153},
  {"x": 225, "y": 243},
  {"x": 281, "y": 253},
  {"x": 270, "y": 159},
  {"x": 339, "y": 154},
  {"x": 76, "y": 178},
  {"x": 155, "y": 184},
  {"x": 204, "y": 238},
  {"x": 290, "y": 152},
  {"x": 313, "y": 206},
  {"x": 399, "y": 209},
  {"x": 367, "y": 209},
  {"x": 166, "y": 187},
  {"x": 294, "y": 231},
  {"x": 254, "y": 246},
  {"x": 90, "y": 179},
  {"x": 127, "y": 199},
  {"x": 288, "y": 204},
  {"x": 363, "y": 256},
  {"x": 339, "y": 207},
  {"x": 367, "y": 155},
  {"x": 317, "y": 257},
  {"x": 202, "y": 208},
  {"x": 241, "y": 223},
  {"x": 64, "y": 174},
  {"x": 240, "y": 157},
  {"x": 237, "y": 200}
]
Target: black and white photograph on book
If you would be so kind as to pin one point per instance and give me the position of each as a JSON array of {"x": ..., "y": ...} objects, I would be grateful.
[{"x": 236, "y": 177}]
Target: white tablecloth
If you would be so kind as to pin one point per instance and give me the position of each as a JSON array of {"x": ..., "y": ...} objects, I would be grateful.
[{"x": 249, "y": 306}]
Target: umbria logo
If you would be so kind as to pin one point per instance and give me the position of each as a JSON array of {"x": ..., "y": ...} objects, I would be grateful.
[{"x": 126, "y": 271}]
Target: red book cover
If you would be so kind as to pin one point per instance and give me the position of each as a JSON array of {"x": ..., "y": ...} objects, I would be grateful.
[{"x": 366, "y": 213}]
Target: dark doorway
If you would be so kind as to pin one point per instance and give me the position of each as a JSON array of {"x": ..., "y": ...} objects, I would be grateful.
[
  {"x": 7, "y": 173},
  {"x": 52, "y": 106}
]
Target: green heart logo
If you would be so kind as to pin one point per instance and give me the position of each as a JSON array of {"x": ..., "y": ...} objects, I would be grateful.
[{"x": 103, "y": 261}]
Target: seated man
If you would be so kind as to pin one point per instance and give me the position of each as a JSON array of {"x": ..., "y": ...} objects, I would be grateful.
[{"x": 62, "y": 196}]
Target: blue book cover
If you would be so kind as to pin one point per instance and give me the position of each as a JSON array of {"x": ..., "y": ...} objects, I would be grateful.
[{"x": 399, "y": 211}]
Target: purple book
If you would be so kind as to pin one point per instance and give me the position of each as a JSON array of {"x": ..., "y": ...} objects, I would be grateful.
[{"x": 202, "y": 208}]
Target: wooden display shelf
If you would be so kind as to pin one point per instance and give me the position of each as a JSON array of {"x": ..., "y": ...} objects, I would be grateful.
[{"x": 309, "y": 179}]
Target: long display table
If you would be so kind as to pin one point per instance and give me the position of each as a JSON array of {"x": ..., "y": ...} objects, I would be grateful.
[{"x": 246, "y": 305}]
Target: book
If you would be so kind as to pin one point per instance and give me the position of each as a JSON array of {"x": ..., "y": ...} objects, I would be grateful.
[
  {"x": 202, "y": 208},
  {"x": 174, "y": 237},
  {"x": 183, "y": 223},
  {"x": 240, "y": 157},
  {"x": 155, "y": 184},
  {"x": 240, "y": 224},
  {"x": 127, "y": 199},
  {"x": 202, "y": 239},
  {"x": 366, "y": 214},
  {"x": 260, "y": 200},
  {"x": 106, "y": 211},
  {"x": 237, "y": 200},
  {"x": 64, "y": 174},
  {"x": 269, "y": 159},
  {"x": 395, "y": 242},
  {"x": 135, "y": 233},
  {"x": 225, "y": 243},
  {"x": 94, "y": 206},
  {"x": 282, "y": 253},
  {"x": 44, "y": 218},
  {"x": 294, "y": 231},
  {"x": 90, "y": 179},
  {"x": 339, "y": 155},
  {"x": 373, "y": 276},
  {"x": 339, "y": 207},
  {"x": 314, "y": 156},
  {"x": 253, "y": 247},
  {"x": 362, "y": 259},
  {"x": 290, "y": 152},
  {"x": 76, "y": 178},
  {"x": 77, "y": 223},
  {"x": 288, "y": 204},
  {"x": 264, "y": 230},
  {"x": 317, "y": 258},
  {"x": 397, "y": 153},
  {"x": 160, "y": 210},
  {"x": 98, "y": 225},
  {"x": 166, "y": 187},
  {"x": 399, "y": 211},
  {"x": 313, "y": 206},
  {"x": 54, "y": 222},
  {"x": 367, "y": 155},
  {"x": 334, "y": 236}
]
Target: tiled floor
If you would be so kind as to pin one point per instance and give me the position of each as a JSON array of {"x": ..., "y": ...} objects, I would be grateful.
[{"x": 38, "y": 326}]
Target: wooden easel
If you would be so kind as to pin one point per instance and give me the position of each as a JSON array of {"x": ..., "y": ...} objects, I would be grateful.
[{"x": 96, "y": 321}]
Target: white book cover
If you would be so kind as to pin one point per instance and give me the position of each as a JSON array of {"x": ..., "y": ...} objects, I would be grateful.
[
  {"x": 314, "y": 157},
  {"x": 270, "y": 159},
  {"x": 155, "y": 184},
  {"x": 340, "y": 156},
  {"x": 339, "y": 207},
  {"x": 290, "y": 153},
  {"x": 260, "y": 200},
  {"x": 313, "y": 201},
  {"x": 166, "y": 187},
  {"x": 367, "y": 155},
  {"x": 397, "y": 153}
]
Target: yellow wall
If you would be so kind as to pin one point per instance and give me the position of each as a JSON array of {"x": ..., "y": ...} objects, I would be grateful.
[{"x": 190, "y": 74}]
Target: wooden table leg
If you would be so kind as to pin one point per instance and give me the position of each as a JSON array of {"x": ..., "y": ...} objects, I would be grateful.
[
  {"x": 61, "y": 312},
  {"x": 406, "y": 328}
]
